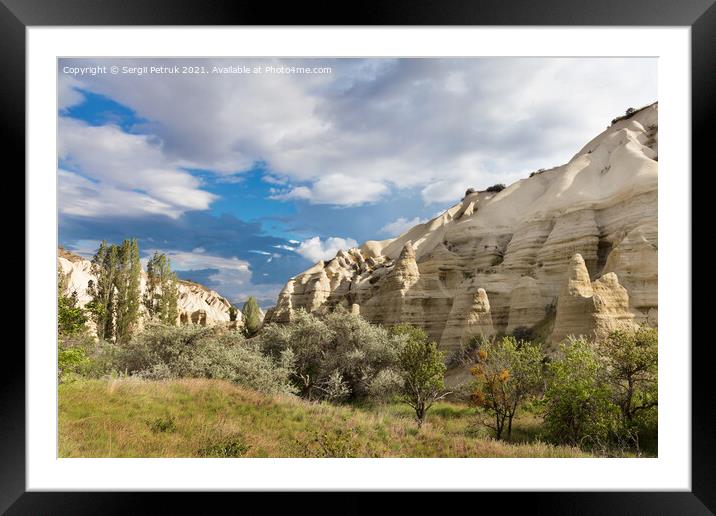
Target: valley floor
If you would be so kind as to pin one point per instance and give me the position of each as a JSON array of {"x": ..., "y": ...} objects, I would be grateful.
[{"x": 211, "y": 418}]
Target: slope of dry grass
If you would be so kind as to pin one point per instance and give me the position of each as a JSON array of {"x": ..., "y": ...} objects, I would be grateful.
[{"x": 210, "y": 418}]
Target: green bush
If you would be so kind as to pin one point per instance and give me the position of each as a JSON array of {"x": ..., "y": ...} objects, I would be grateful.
[
  {"x": 385, "y": 385},
  {"x": 336, "y": 357},
  {"x": 162, "y": 351},
  {"x": 496, "y": 188},
  {"x": 578, "y": 399},
  {"x": 72, "y": 362}
]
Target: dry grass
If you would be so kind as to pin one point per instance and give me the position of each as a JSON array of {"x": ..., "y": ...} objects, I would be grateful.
[{"x": 199, "y": 418}]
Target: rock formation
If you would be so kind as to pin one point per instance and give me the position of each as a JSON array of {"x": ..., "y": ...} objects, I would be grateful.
[
  {"x": 516, "y": 246},
  {"x": 196, "y": 303},
  {"x": 590, "y": 309}
]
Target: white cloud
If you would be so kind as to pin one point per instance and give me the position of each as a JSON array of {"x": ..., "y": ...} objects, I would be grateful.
[
  {"x": 314, "y": 249},
  {"x": 121, "y": 174},
  {"x": 346, "y": 138},
  {"x": 81, "y": 197},
  {"x": 400, "y": 225},
  {"x": 337, "y": 189}
]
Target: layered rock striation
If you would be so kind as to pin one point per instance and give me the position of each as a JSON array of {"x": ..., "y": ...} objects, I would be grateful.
[{"x": 569, "y": 250}]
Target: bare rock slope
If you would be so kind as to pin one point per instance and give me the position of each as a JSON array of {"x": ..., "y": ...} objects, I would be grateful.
[{"x": 569, "y": 250}]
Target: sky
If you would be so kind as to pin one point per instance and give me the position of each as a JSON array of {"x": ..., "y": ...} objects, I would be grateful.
[{"x": 247, "y": 171}]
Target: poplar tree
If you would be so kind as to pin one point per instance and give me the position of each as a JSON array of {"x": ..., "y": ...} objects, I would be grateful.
[
  {"x": 104, "y": 267},
  {"x": 127, "y": 284},
  {"x": 251, "y": 316},
  {"x": 116, "y": 290},
  {"x": 162, "y": 292}
]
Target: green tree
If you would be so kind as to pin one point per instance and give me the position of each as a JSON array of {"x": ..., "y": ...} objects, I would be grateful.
[
  {"x": 251, "y": 317},
  {"x": 578, "y": 398},
  {"x": 507, "y": 372},
  {"x": 116, "y": 291},
  {"x": 233, "y": 312},
  {"x": 127, "y": 286},
  {"x": 162, "y": 292},
  {"x": 631, "y": 358},
  {"x": 104, "y": 269},
  {"x": 423, "y": 370},
  {"x": 71, "y": 318}
]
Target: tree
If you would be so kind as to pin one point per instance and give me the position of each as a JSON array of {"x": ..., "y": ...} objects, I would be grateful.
[
  {"x": 423, "y": 370},
  {"x": 127, "y": 285},
  {"x": 116, "y": 291},
  {"x": 579, "y": 408},
  {"x": 162, "y": 293},
  {"x": 71, "y": 318},
  {"x": 104, "y": 268},
  {"x": 508, "y": 371},
  {"x": 233, "y": 312},
  {"x": 631, "y": 358},
  {"x": 251, "y": 316}
]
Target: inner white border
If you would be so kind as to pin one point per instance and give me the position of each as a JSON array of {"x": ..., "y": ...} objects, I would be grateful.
[{"x": 670, "y": 471}]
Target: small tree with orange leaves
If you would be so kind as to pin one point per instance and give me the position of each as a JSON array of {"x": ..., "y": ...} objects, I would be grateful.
[{"x": 507, "y": 372}]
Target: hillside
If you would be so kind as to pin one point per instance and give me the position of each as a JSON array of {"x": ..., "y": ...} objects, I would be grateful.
[
  {"x": 197, "y": 304},
  {"x": 569, "y": 250},
  {"x": 211, "y": 418}
]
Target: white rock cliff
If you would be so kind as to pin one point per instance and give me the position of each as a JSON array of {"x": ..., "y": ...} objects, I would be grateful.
[{"x": 570, "y": 250}]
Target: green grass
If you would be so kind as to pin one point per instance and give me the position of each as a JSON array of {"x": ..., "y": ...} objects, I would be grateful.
[{"x": 211, "y": 418}]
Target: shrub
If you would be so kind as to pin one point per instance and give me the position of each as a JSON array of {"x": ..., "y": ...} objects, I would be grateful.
[
  {"x": 71, "y": 319},
  {"x": 578, "y": 405},
  {"x": 164, "y": 351},
  {"x": 470, "y": 191},
  {"x": 507, "y": 373},
  {"x": 358, "y": 350},
  {"x": 334, "y": 388},
  {"x": 339, "y": 345},
  {"x": 72, "y": 363},
  {"x": 496, "y": 188},
  {"x": 306, "y": 337},
  {"x": 385, "y": 385},
  {"x": 423, "y": 370}
]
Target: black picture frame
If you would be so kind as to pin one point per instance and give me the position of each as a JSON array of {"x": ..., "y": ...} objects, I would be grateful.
[{"x": 17, "y": 15}]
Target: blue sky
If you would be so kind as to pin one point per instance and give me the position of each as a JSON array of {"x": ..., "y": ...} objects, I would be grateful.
[{"x": 245, "y": 180}]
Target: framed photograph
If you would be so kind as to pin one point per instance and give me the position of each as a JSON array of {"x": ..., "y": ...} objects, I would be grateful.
[{"x": 381, "y": 257}]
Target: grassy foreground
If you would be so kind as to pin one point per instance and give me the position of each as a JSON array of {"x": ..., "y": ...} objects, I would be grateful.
[{"x": 211, "y": 418}]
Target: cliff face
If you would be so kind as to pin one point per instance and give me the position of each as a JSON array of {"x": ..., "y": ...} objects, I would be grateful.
[
  {"x": 500, "y": 261},
  {"x": 197, "y": 304}
]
